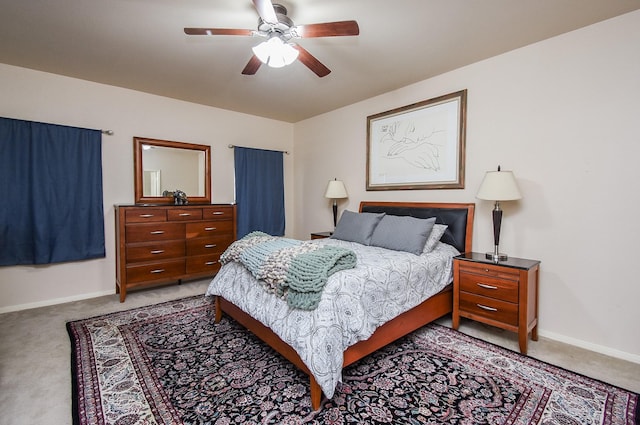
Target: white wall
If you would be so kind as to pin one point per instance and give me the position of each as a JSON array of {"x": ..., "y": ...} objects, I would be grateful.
[
  {"x": 38, "y": 96},
  {"x": 563, "y": 114}
]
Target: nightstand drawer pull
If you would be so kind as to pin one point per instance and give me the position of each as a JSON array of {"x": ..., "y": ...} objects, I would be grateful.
[
  {"x": 157, "y": 271},
  {"x": 184, "y": 214},
  {"x": 208, "y": 229},
  {"x": 210, "y": 245},
  {"x": 157, "y": 251},
  {"x": 157, "y": 232},
  {"x": 484, "y": 307},
  {"x": 210, "y": 263},
  {"x": 217, "y": 212},
  {"x": 146, "y": 215},
  {"x": 485, "y": 286}
]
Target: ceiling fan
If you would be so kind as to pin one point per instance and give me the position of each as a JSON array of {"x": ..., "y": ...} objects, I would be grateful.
[{"x": 278, "y": 30}]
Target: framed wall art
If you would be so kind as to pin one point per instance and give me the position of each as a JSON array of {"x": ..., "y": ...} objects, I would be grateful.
[{"x": 418, "y": 146}]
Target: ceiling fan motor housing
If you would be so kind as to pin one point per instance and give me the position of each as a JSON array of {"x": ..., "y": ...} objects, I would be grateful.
[{"x": 284, "y": 22}]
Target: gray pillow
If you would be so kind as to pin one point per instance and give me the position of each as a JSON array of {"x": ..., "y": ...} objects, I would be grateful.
[
  {"x": 436, "y": 233},
  {"x": 403, "y": 233},
  {"x": 356, "y": 227}
]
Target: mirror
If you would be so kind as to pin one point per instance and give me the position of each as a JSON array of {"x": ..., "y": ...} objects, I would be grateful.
[{"x": 162, "y": 166}]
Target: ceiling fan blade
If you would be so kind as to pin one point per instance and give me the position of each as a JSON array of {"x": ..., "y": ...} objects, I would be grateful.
[
  {"x": 217, "y": 31},
  {"x": 311, "y": 62},
  {"x": 328, "y": 29},
  {"x": 252, "y": 66},
  {"x": 266, "y": 11}
]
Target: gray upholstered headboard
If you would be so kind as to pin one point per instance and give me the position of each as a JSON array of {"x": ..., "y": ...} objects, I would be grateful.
[{"x": 458, "y": 216}]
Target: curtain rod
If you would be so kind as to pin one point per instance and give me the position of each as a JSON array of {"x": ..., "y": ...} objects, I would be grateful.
[
  {"x": 285, "y": 152},
  {"x": 107, "y": 132}
]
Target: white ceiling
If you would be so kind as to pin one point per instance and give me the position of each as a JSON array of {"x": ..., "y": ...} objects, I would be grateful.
[{"x": 140, "y": 44}]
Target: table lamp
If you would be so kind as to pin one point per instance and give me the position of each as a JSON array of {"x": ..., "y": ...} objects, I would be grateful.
[
  {"x": 335, "y": 190},
  {"x": 498, "y": 186}
]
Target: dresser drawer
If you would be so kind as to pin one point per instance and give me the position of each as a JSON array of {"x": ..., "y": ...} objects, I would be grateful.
[
  {"x": 156, "y": 271},
  {"x": 209, "y": 228},
  {"x": 145, "y": 215},
  {"x": 182, "y": 214},
  {"x": 489, "y": 286},
  {"x": 202, "y": 246},
  {"x": 218, "y": 213},
  {"x": 155, "y": 251},
  {"x": 203, "y": 264},
  {"x": 497, "y": 310},
  {"x": 154, "y": 232}
]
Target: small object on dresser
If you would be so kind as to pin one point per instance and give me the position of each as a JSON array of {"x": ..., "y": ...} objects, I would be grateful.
[{"x": 180, "y": 198}]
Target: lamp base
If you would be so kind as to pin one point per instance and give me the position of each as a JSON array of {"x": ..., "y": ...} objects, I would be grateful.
[{"x": 495, "y": 257}]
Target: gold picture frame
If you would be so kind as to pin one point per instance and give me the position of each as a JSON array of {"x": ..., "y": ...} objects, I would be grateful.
[{"x": 418, "y": 146}]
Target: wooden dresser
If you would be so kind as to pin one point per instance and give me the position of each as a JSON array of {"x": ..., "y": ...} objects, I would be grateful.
[{"x": 159, "y": 244}]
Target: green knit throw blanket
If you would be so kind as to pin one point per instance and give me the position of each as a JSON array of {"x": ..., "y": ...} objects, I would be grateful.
[{"x": 294, "y": 270}]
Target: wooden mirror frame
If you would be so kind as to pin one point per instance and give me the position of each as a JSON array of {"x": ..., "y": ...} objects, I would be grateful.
[{"x": 138, "y": 171}]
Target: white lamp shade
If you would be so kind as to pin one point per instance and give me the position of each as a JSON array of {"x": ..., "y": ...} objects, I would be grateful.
[
  {"x": 275, "y": 53},
  {"x": 336, "y": 190},
  {"x": 499, "y": 186}
]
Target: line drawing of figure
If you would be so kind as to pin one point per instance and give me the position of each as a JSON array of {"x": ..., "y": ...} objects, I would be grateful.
[{"x": 416, "y": 150}]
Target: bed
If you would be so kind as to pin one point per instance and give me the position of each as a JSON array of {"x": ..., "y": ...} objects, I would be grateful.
[{"x": 310, "y": 340}]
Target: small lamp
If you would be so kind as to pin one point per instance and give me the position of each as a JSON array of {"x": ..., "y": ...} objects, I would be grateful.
[
  {"x": 335, "y": 190},
  {"x": 498, "y": 186}
]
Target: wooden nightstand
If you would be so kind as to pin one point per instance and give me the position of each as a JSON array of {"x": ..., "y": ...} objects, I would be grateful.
[
  {"x": 321, "y": 235},
  {"x": 503, "y": 294}
]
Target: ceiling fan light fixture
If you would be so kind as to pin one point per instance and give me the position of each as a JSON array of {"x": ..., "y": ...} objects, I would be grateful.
[{"x": 275, "y": 52}]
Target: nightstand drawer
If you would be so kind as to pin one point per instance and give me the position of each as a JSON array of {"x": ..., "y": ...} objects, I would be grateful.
[
  {"x": 489, "y": 308},
  {"x": 488, "y": 286},
  {"x": 492, "y": 270}
]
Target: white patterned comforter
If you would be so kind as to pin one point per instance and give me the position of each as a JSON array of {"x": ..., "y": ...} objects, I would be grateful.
[{"x": 354, "y": 303}]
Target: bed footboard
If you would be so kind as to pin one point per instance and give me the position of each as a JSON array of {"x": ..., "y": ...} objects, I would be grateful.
[
  {"x": 431, "y": 309},
  {"x": 273, "y": 340}
]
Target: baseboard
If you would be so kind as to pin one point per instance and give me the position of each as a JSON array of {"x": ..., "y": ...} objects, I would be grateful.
[
  {"x": 612, "y": 352},
  {"x": 54, "y": 301}
]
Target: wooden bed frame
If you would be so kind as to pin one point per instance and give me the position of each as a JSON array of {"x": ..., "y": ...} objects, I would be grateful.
[{"x": 431, "y": 309}]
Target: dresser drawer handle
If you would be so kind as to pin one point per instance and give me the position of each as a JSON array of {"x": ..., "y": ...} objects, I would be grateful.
[
  {"x": 146, "y": 215},
  {"x": 210, "y": 263},
  {"x": 217, "y": 212},
  {"x": 211, "y": 245},
  {"x": 157, "y": 251},
  {"x": 208, "y": 229},
  {"x": 484, "y": 307},
  {"x": 157, "y": 271},
  {"x": 184, "y": 214},
  {"x": 485, "y": 286},
  {"x": 157, "y": 232}
]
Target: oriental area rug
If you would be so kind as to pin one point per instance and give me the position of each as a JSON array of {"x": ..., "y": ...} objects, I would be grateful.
[{"x": 171, "y": 364}]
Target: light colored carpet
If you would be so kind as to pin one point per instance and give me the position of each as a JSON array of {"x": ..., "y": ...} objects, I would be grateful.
[{"x": 35, "y": 377}]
